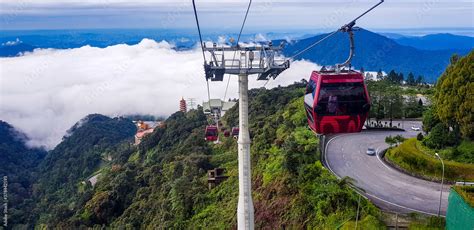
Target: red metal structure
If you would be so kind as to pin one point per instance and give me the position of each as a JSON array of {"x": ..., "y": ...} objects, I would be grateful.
[
  {"x": 211, "y": 133},
  {"x": 336, "y": 102}
]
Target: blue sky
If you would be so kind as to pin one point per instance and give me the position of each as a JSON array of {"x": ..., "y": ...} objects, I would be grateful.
[{"x": 265, "y": 15}]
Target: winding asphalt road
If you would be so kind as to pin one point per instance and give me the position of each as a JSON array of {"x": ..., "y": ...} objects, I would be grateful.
[{"x": 386, "y": 187}]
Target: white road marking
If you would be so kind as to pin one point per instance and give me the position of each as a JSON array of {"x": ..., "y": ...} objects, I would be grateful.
[{"x": 380, "y": 159}]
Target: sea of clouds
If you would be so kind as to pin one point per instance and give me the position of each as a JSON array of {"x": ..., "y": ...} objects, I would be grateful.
[{"x": 45, "y": 92}]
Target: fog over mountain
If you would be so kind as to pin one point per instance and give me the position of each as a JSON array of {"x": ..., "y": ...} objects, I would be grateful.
[{"x": 45, "y": 92}]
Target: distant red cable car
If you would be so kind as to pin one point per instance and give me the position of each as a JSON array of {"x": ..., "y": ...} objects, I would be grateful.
[
  {"x": 211, "y": 133},
  {"x": 336, "y": 102},
  {"x": 235, "y": 132},
  {"x": 226, "y": 133}
]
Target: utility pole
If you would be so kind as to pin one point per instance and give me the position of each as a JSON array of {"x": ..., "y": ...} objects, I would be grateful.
[
  {"x": 191, "y": 102},
  {"x": 258, "y": 60},
  {"x": 442, "y": 180}
]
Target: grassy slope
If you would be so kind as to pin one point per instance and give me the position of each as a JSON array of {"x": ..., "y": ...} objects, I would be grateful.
[{"x": 415, "y": 158}]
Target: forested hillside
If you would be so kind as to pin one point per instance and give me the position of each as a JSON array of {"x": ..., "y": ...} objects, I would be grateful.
[
  {"x": 47, "y": 189},
  {"x": 162, "y": 183},
  {"x": 18, "y": 164}
]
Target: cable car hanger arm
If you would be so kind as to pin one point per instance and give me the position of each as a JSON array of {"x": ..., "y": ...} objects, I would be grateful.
[{"x": 346, "y": 28}]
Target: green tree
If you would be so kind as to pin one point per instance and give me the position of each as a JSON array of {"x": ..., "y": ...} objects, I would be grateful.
[
  {"x": 454, "y": 97},
  {"x": 441, "y": 136},
  {"x": 390, "y": 141},
  {"x": 411, "y": 79},
  {"x": 392, "y": 76},
  {"x": 399, "y": 139},
  {"x": 430, "y": 119},
  {"x": 399, "y": 78},
  {"x": 420, "y": 80},
  {"x": 380, "y": 74}
]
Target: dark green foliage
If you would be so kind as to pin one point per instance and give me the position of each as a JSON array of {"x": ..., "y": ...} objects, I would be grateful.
[
  {"x": 419, "y": 137},
  {"x": 390, "y": 140},
  {"x": 411, "y": 79},
  {"x": 429, "y": 120},
  {"x": 67, "y": 168},
  {"x": 413, "y": 108},
  {"x": 440, "y": 137},
  {"x": 395, "y": 78},
  {"x": 18, "y": 163}
]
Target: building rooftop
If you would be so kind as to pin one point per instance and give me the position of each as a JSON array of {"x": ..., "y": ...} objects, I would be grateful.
[{"x": 218, "y": 104}]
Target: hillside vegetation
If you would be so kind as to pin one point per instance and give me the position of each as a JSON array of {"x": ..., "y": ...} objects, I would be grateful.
[
  {"x": 413, "y": 157},
  {"x": 59, "y": 181},
  {"x": 18, "y": 164},
  {"x": 449, "y": 123},
  {"x": 162, "y": 183}
]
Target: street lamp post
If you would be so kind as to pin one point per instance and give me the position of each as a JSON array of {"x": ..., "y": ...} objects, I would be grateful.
[{"x": 442, "y": 180}]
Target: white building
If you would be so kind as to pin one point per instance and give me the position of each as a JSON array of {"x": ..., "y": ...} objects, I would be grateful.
[{"x": 217, "y": 106}]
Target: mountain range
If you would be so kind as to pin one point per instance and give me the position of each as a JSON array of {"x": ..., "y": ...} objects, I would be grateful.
[
  {"x": 438, "y": 42},
  {"x": 376, "y": 52}
]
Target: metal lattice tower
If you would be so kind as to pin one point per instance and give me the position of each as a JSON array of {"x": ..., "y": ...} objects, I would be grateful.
[
  {"x": 258, "y": 60},
  {"x": 191, "y": 102}
]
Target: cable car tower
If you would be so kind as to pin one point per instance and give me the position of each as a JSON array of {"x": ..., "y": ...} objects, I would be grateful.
[
  {"x": 255, "y": 60},
  {"x": 251, "y": 60}
]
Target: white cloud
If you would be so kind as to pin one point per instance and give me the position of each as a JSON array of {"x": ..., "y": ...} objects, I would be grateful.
[
  {"x": 45, "y": 92},
  {"x": 12, "y": 43}
]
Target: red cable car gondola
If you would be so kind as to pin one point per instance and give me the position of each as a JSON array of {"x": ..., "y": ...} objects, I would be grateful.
[
  {"x": 211, "y": 133},
  {"x": 227, "y": 133},
  {"x": 235, "y": 132},
  {"x": 336, "y": 102}
]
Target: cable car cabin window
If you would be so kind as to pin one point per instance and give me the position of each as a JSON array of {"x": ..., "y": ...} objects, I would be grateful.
[
  {"x": 211, "y": 133},
  {"x": 309, "y": 114},
  {"x": 310, "y": 92},
  {"x": 311, "y": 88},
  {"x": 336, "y": 99}
]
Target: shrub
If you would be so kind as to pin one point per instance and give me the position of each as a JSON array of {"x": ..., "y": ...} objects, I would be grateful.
[
  {"x": 440, "y": 137},
  {"x": 419, "y": 136},
  {"x": 421, "y": 161}
]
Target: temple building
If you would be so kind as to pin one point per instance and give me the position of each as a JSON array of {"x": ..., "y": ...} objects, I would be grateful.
[{"x": 182, "y": 106}]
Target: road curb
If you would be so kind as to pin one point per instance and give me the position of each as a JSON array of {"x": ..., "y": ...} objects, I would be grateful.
[{"x": 408, "y": 173}]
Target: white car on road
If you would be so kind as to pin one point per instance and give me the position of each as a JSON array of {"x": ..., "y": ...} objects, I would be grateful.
[
  {"x": 371, "y": 151},
  {"x": 414, "y": 128}
]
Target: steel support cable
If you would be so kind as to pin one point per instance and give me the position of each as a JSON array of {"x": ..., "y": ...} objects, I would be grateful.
[
  {"x": 345, "y": 28},
  {"x": 238, "y": 40},
  {"x": 203, "y": 53},
  {"x": 313, "y": 45},
  {"x": 199, "y": 30},
  {"x": 306, "y": 49}
]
